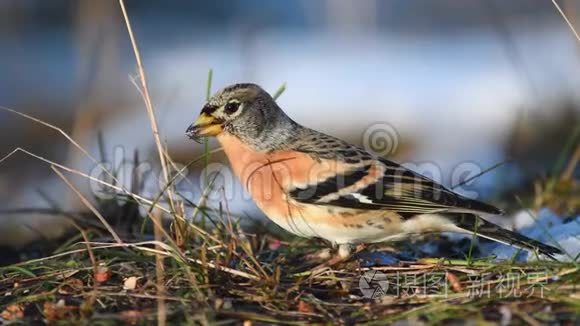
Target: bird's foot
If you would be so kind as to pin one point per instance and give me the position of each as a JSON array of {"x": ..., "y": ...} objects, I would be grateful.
[
  {"x": 345, "y": 251},
  {"x": 319, "y": 256}
]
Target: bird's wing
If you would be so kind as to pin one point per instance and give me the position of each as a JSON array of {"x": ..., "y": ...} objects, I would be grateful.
[{"x": 379, "y": 184}]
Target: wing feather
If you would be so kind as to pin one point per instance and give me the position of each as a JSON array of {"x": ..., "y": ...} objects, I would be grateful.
[{"x": 396, "y": 188}]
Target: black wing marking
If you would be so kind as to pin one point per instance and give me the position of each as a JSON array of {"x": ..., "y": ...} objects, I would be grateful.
[
  {"x": 488, "y": 230},
  {"x": 314, "y": 193},
  {"x": 401, "y": 190},
  {"x": 402, "y": 187}
]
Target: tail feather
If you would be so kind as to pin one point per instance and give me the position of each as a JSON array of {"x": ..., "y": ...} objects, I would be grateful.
[{"x": 494, "y": 232}]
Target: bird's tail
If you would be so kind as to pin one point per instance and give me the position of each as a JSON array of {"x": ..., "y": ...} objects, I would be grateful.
[{"x": 494, "y": 232}]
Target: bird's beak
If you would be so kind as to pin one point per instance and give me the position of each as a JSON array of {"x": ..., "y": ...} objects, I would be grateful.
[{"x": 205, "y": 125}]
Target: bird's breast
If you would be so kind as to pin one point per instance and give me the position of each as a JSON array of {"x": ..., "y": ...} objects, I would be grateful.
[{"x": 269, "y": 176}]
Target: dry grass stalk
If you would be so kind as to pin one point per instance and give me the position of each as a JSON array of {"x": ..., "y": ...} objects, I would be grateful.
[
  {"x": 162, "y": 313},
  {"x": 568, "y": 22},
  {"x": 90, "y": 206},
  {"x": 569, "y": 171}
]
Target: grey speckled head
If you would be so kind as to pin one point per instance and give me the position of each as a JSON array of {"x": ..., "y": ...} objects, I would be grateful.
[{"x": 249, "y": 113}]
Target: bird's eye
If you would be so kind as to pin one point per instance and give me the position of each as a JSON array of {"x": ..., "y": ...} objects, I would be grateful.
[{"x": 232, "y": 107}]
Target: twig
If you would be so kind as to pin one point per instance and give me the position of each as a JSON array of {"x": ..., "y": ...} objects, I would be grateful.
[
  {"x": 566, "y": 19},
  {"x": 93, "y": 295},
  {"x": 226, "y": 269},
  {"x": 569, "y": 171},
  {"x": 89, "y": 205},
  {"x": 161, "y": 308},
  {"x": 489, "y": 169},
  {"x": 205, "y": 140},
  {"x": 159, "y": 272},
  {"x": 146, "y": 96}
]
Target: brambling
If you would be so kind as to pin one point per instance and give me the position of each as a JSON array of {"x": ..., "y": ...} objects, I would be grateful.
[{"x": 315, "y": 185}]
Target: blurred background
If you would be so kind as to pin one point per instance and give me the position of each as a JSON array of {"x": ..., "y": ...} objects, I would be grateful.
[{"x": 477, "y": 81}]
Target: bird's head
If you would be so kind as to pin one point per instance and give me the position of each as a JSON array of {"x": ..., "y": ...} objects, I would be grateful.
[{"x": 242, "y": 110}]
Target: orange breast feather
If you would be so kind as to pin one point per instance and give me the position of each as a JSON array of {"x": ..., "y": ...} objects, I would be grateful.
[{"x": 269, "y": 176}]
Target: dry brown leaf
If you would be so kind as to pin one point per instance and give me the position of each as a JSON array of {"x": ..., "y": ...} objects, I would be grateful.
[
  {"x": 454, "y": 282},
  {"x": 71, "y": 286},
  {"x": 57, "y": 311},
  {"x": 13, "y": 312},
  {"x": 130, "y": 283},
  {"x": 103, "y": 274},
  {"x": 304, "y": 307}
]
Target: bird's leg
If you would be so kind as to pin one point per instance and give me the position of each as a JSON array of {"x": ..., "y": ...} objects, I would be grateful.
[
  {"x": 360, "y": 247},
  {"x": 345, "y": 251},
  {"x": 343, "y": 254}
]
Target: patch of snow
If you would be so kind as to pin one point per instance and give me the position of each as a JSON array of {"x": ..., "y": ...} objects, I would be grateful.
[{"x": 546, "y": 227}]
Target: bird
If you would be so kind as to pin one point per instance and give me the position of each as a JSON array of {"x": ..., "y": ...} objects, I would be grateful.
[{"x": 318, "y": 186}]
